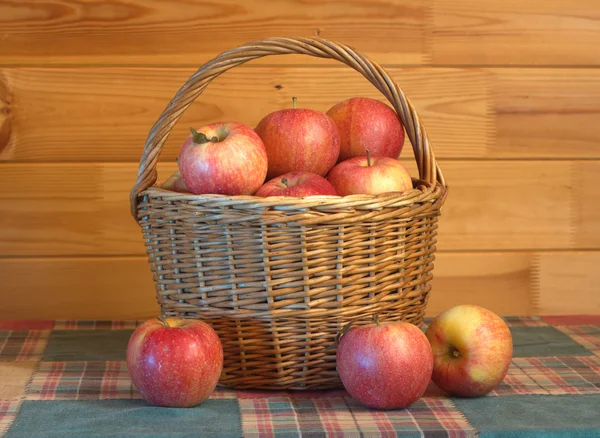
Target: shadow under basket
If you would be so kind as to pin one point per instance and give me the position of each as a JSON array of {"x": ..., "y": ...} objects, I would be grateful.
[{"x": 278, "y": 278}]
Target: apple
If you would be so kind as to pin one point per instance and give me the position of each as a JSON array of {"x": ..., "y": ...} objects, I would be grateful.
[
  {"x": 299, "y": 184},
  {"x": 175, "y": 362},
  {"x": 369, "y": 176},
  {"x": 385, "y": 366},
  {"x": 175, "y": 183},
  {"x": 299, "y": 140},
  {"x": 367, "y": 123},
  {"x": 472, "y": 349},
  {"x": 226, "y": 158}
]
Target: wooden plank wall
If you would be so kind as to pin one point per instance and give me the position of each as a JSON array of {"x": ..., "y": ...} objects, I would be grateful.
[{"x": 509, "y": 91}]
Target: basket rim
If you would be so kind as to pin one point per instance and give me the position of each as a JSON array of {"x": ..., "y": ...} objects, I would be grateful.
[{"x": 422, "y": 191}]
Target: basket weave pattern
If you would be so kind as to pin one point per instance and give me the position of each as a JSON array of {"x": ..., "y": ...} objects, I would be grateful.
[{"x": 279, "y": 277}]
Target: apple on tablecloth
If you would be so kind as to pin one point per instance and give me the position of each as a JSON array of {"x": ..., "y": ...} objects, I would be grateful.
[
  {"x": 298, "y": 184},
  {"x": 175, "y": 362},
  {"x": 299, "y": 139},
  {"x": 385, "y": 366},
  {"x": 367, "y": 123},
  {"x": 226, "y": 158},
  {"x": 472, "y": 349}
]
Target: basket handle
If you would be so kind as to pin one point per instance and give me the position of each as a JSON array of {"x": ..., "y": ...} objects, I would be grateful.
[{"x": 428, "y": 168}]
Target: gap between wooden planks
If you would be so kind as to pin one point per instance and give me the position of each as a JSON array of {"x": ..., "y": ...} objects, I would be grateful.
[{"x": 122, "y": 288}]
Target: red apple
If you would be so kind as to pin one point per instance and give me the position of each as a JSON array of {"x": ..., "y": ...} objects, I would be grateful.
[
  {"x": 175, "y": 362},
  {"x": 175, "y": 183},
  {"x": 299, "y": 140},
  {"x": 299, "y": 184},
  {"x": 367, "y": 123},
  {"x": 369, "y": 176},
  {"x": 472, "y": 349},
  {"x": 226, "y": 158},
  {"x": 385, "y": 366}
]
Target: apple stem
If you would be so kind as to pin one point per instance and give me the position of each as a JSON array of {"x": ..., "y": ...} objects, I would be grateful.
[
  {"x": 201, "y": 138},
  {"x": 376, "y": 319},
  {"x": 343, "y": 332},
  {"x": 163, "y": 320},
  {"x": 368, "y": 157},
  {"x": 294, "y": 102},
  {"x": 284, "y": 181}
]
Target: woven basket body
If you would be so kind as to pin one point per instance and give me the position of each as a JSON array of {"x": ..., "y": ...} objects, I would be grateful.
[{"x": 279, "y": 277}]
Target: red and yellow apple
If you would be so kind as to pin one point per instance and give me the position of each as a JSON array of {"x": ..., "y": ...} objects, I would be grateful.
[
  {"x": 226, "y": 158},
  {"x": 298, "y": 139},
  {"x": 472, "y": 348},
  {"x": 370, "y": 176},
  {"x": 385, "y": 366},
  {"x": 367, "y": 123},
  {"x": 175, "y": 362},
  {"x": 175, "y": 183},
  {"x": 298, "y": 184}
]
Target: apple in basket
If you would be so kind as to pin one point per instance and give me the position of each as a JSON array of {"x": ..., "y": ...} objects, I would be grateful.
[
  {"x": 226, "y": 158},
  {"x": 299, "y": 140},
  {"x": 367, "y": 123},
  {"x": 175, "y": 362},
  {"x": 369, "y": 175},
  {"x": 472, "y": 349},
  {"x": 385, "y": 366},
  {"x": 298, "y": 184},
  {"x": 175, "y": 183}
]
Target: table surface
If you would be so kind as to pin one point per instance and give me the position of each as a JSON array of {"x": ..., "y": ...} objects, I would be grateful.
[{"x": 69, "y": 378}]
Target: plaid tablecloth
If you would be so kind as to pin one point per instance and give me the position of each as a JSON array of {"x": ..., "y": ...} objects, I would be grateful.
[{"x": 69, "y": 378}]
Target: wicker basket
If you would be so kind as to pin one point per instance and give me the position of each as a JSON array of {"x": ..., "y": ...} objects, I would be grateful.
[{"x": 279, "y": 277}]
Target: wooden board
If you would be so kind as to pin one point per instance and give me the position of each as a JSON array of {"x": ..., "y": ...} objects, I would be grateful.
[
  {"x": 104, "y": 114},
  {"x": 122, "y": 288},
  {"x": 82, "y": 288},
  {"x": 449, "y": 32},
  {"x": 515, "y": 32},
  {"x": 82, "y": 208},
  {"x": 586, "y": 205},
  {"x": 570, "y": 283},
  {"x": 501, "y": 205},
  {"x": 67, "y": 209},
  {"x": 542, "y": 113},
  {"x": 502, "y": 282},
  {"x": 138, "y": 32}
]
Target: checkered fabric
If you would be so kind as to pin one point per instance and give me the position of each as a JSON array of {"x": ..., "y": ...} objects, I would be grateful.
[
  {"x": 8, "y": 412},
  {"x": 23, "y": 345},
  {"x": 70, "y": 378}
]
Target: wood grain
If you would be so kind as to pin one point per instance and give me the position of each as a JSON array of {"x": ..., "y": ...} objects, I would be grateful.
[
  {"x": 67, "y": 209},
  {"x": 104, "y": 114},
  {"x": 122, "y": 287},
  {"x": 190, "y": 32},
  {"x": 586, "y": 204},
  {"x": 500, "y": 205},
  {"x": 82, "y": 208},
  {"x": 570, "y": 283},
  {"x": 546, "y": 113},
  {"x": 82, "y": 288},
  {"x": 501, "y": 282},
  {"x": 515, "y": 32}
]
